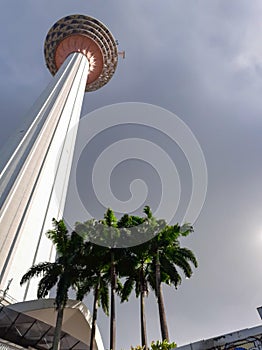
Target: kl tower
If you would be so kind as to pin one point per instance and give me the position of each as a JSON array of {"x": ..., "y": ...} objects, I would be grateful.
[{"x": 82, "y": 55}]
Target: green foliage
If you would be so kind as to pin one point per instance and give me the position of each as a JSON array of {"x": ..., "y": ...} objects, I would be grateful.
[
  {"x": 148, "y": 212},
  {"x": 158, "y": 345},
  {"x": 110, "y": 219},
  {"x": 138, "y": 347},
  {"x": 63, "y": 272},
  {"x": 162, "y": 345}
]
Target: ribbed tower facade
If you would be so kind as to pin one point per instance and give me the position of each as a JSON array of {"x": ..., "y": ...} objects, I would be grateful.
[{"x": 81, "y": 54}]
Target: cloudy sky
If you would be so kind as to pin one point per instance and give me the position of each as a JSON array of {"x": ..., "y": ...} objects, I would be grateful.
[{"x": 202, "y": 61}]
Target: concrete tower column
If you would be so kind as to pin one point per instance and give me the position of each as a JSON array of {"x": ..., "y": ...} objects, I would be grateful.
[{"x": 81, "y": 54}]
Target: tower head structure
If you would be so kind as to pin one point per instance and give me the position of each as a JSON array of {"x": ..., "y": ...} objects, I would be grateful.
[{"x": 87, "y": 35}]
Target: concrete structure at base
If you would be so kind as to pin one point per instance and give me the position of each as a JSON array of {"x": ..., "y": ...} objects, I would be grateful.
[{"x": 82, "y": 55}]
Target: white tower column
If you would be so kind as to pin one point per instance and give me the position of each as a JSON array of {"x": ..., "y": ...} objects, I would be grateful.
[{"x": 39, "y": 190}]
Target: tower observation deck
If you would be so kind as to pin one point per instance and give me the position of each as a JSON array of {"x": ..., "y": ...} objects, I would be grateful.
[
  {"x": 86, "y": 35},
  {"x": 82, "y": 55}
]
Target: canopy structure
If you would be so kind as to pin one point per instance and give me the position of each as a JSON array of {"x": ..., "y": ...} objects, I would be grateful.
[{"x": 31, "y": 324}]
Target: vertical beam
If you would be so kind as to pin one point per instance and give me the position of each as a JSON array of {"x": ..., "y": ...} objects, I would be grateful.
[{"x": 37, "y": 177}]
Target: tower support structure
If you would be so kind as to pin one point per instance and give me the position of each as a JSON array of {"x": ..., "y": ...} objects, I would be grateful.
[{"x": 81, "y": 54}]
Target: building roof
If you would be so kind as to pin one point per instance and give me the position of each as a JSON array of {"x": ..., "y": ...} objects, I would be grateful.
[
  {"x": 32, "y": 323},
  {"x": 249, "y": 338}
]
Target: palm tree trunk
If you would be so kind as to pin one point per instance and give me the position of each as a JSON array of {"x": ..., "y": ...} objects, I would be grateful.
[
  {"x": 94, "y": 318},
  {"x": 143, "y": 319},
  {"x": 162, "y": 316},
  {"x": 160, "y": 300},
  {"x": 112, "y": 306},
  {"x": 58, "y": 327},
  {"x": 143, "y": 290}
]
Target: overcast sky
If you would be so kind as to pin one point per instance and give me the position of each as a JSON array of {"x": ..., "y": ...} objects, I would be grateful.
[{"x": 201, "y": 60}]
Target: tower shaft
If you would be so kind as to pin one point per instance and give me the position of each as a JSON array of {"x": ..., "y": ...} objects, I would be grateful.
[{"x": 34, "y": 182}]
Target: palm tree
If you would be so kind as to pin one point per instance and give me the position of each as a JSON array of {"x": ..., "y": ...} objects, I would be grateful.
[
  {"x": 99, "y": 284},
  {"x": 136, "y": 272},
  {"x": 104, "y": 232},
  {"x": 155, "y": 262},
  {"x": 168, "y": 255},
  {"x": 62, "y": 273},
  {"x": 110, "y": 221},
  {"x": 134, "y": 267},
  {"x": 94, "y": 275}
]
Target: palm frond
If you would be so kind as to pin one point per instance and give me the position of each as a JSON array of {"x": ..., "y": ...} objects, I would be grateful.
[
  {"x": 46, "y": 284},
  {"x": 36, "y": 271},
  {"x": 127, "y": 289},
  {"x": 104, "y": 297}
]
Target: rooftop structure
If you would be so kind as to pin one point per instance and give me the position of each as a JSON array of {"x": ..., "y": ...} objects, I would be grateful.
[
  {"x": 249, "y": 339},
  {"x": 31, "y": 324}
]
